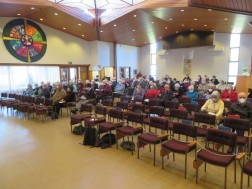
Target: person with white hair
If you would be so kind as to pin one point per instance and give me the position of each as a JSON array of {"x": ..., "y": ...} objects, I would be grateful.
[
  {"x": 192, "y": 94},
  {"x": 178, "y": 90},
  {"x": 214, "y": 105}
]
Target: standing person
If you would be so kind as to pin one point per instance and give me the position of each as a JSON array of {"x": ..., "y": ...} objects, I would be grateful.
[
  {"x": 214, "y": 105},
  {"x": 58, "y": 99}
]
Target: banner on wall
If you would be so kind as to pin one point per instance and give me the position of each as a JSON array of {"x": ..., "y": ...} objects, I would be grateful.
[{"x": 187, "y": 66}]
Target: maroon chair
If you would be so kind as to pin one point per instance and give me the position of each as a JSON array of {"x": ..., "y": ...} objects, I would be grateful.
[
  {"x": 122, "y": 105},
  {"x": 151, "y": 138},
  {"x": 180, "y": 147},
  {"x": 204, "y": 120},
  {"x": 154, "y": 111},
  {"x": 240, "y": 126},
  {"x": 125, "y": 99},
  {"x": 170, "y": 105},
  {"x": 246, "y": 169},
  {"x": 201, "y": 101},
  {"x": 184, "y": 99},
  {"x": 134, "y": 107},
  {"x": 152, "y": 102},
  {"x": 130, "y": 130},
  {"x": 115, "y": 121},
  {"x": 98, "y": 117},
  {"x": 178, "y": 115},
  {"x": 191, "y": 108},
  {"x": 213, "y": 156},
  {"x": 85, "y": 111}
]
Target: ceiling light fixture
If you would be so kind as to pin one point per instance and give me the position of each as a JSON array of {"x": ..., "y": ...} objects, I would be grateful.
[{"x": 98, "y": 4}]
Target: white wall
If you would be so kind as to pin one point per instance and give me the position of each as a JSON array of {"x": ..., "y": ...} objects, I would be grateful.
[
  {"x": 145, "y": 60},
  {"x": 245, "y": 58},
  {"x": 61, "y": 48},
  {"x": 127, "y": 56}
]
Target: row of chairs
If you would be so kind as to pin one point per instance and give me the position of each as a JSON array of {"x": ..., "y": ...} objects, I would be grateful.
[{"x": 164, "y": 124}]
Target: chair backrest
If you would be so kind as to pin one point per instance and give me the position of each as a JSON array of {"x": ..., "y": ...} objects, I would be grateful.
[
  {"x": 201, "y": 101},
  {"x": 113, "y": 113},
  {"x": 48, "y": 102},
  {"x": 86, "y": 108},
  {"x": 222, "y": 137},
  {"x": 137, "y": 107},
  {"x": 11, "y": 95},
  {"x": 185, "y": 129},
  {"x": 171, "y": 105},
  {"x": 159, "y": 122},
  {"x": 204, "y": 118},
  {"x": 123, "y": 105},
  {"x": 159, "y": 110},
  {"x": 125, "y": 99},
  {"x": 30, "y": 99},
  {"x": 4, "y": 95},
  {"x": 191, "y": 107},
  {"x": 101, "y": 110},
  {"x": 179, "y": 114},
  {"x": 227, "y": 104},
  {"x": 23, "y": 98},
  {"x": 107, "y": 102},
  {"x": 155, "y": 102},
  {"x": 239, "y": 124},
  {"x": 135, "y": 117},
  {"x": 183, "y": 100}
]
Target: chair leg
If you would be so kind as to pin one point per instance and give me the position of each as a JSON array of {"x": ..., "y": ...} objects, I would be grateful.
[
  {"x": 154, "y": 154},
  {"x": 185, "y": 165},
  {"x": 225, "y": 179},
  {"x": 248, "y": 180},
  {"x": 241, "y": 179},
  {"x": 235, "y": 171}
]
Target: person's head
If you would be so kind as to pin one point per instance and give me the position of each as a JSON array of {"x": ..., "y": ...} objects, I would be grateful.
[
  {"x": 35, "y": 85},
  {"x": 242, "y": 98},
  {"x": 191, "y": 88},
  {"x": 42, "y": 82},
  {"x": 210, "y": 88},
  {"x": 214, "y": 77},
  {"x": 29, "y": 86},
  {"x": 88, "y": 85},
  {"x": 58, "y": 85},
  {"x": 215, "y": 96},
  {"x": 153, "y": 86},
  {"x": 79, "y": 81},
  {"x": 167, "y": 87},
  {"x": 48, "y": 83},
  {"x": 44, "y": 86},
  {"x": 229, "y": 87},
  {"x": 177, "y": 86}
]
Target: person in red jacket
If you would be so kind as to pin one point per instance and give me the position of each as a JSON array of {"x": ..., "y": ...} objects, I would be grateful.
[
  {"x": 152, "y": 92},
  {"x": 229, "y": 94}
]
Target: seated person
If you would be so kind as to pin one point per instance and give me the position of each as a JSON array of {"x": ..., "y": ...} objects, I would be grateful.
[
  {"x": 214, "y": 105},
  {"x": 242, "y": 109},
  {"x": 152, "y": 92},
  {"x": 178, "y": 90},
  {"x": 105, "y": 90},
  {"x": 209, "y": 89},
  {"x": 36, "y": 89},
  {"x": 192, "y": 94},
  {"x": 138, "y": 93},
  {"x": 29, "y": 90},
  {"x": 118, "y": 89},
  {"x": 70, "y": 96},
  {"x": 45, "y": 93},
  {"x": 80, "y": 85},
  {"x": 229, "y": 94},
  {"x": 167, "y": 94},
  {"x": 58, "y": 99}
]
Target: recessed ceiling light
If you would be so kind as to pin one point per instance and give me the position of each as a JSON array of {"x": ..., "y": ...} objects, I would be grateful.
[
  {"x": 41, "y": 19},
  {"x": 79, "y": 24},
  {"x": 56, "y": 14},
  {"x": 182, "y": 25},
  {"x": 205, "y": 25},
  {"x": 209, "y": 9},
  {"x": 176, "y": 31},
  {"x": 195, "y": 19},
  {"x": 170, "y": 19},
  {"x": 101, "y": 31},
  {"x": 135, "y": 16},
  {"x": 133, "y": 39},
  {"x": 32, "y": 8},
  {"x": 192, "y": 29},
  {"x": 154, "y": 11},
  {"x": 133, "y": 30},
  {"x": 152, "y": 22},
  {"x": 212, "y": 30},
  {"x": 64, "y": 28},
  {"x": 166, "y": 28},
  {"x": 160, "y": 37},
  {"x": 145, "y": 42},
  {"x": 19, "y": 14},
  {"x": 182, "y": 10},
  {"x": 82, "y": 35},
  {"x": 115, "y": 25},
  {"x": 225, "y": 18}
]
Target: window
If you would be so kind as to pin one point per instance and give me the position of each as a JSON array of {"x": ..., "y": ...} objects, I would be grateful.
[
  {"x": 153, "y": 64},
  {"x": 234, "y": 57}
]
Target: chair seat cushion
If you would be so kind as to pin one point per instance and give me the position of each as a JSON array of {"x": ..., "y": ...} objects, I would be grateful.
[
  {"x": 241, "y": 140},
  {"x": 77, "y": 117},
  {"x": 248, "y": 168},
  {"x": 201, "y": 132},
  {"x": 167, "y": 113},
  {"x": 215, "y": 158},
  {"x": 128, "y": 130},
  {"x": 147, "y": 121},
  {"x": 149, "y": 138},
  {"x": 177, "y": 146},
  {"x": 90, "y": 120},
  {"x": 107, "y": 126},
  {"x": 170, "y": 126}
]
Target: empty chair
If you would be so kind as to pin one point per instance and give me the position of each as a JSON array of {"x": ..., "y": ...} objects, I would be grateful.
[
  {"x": 151, "y": 138},
  {"x": 122, "y": 105},
  {"x": 154, "y": 111},
  {"x": 108, "y": 102},
  {"x": 178, "y": 115},
  {"x": 130, "y": 129},
  {"x": 98, "y": 117},
  {"x": 184, "y": 99},
  {"x": 202, "y": 119},
  {"x": 85, "y": 111},
  {"x": 191, "y": 108},
  {"x": 134, "y": 107},
  {"x": 125, "y": 99},
  {"x": 246, "y": 169},
  {"x": 181, "y": 147},
  {"x": 213, "y": 156},
  {"x": 152, "y": 102},
  {"x": 170, "y": 105},
  {"x": 201, "y": 101},
  {"x": 115, "y": 121}
]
